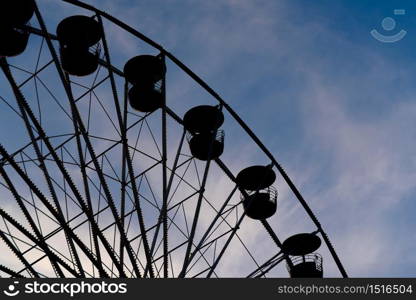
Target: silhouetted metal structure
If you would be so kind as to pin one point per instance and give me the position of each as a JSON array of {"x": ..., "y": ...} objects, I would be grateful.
[{"x": 86, "y": 203}]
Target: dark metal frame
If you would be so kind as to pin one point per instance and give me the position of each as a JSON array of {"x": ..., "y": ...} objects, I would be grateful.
[{"x": 39, "y": 139}]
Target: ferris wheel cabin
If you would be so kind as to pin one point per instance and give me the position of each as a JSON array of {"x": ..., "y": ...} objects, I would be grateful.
[
  {"x": 304, "y": 263},
  {"x": 259, "y": 197},
  {"x": 13, "y": 16},
  {"x": 79, "y": 37},
  {"x": 145, "y": 73},
  {"x": 206, "y": 140}
]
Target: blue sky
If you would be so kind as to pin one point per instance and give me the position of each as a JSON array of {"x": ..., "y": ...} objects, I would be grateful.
[{"x": 335, "y": 106}]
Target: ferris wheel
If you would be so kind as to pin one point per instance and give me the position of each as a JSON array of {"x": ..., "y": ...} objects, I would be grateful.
[{"x": 102, "y": 176}]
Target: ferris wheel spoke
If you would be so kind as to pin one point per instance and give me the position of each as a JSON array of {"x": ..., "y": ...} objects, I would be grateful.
[
  {"x": 195, "y": 219},
  {"x": 171, "y": 221},
  {"x": 212, "y": 224},
  {"x": 60, "y": 228},
  {"x": 184, "y": 234},
  {"x": 19, "y": 255},
  {"x": 56, "y": 231},
  {"x": 20, "y": 100},
  {"x": 59, "y": 258},
  {"x": 54, "y": 259},
  {"x": 143, "y": 173},
  {"x": 51, "y": 209},
  {"x": 181, "y": 178},
  {"x": 25, "y": 109},
  {"x": 126, "y": 158},
  {"x": 138, "y": 208},
  {"x": 176, "y": 206},
  {"x": 165, "y": 191},
  {"x": 123, "y": 175},
  {"x": 15, "y": 111},
  {"x": 222, "y": 251},
  {"x": 54, "y": 97},
  {"x": 36, "y": 208},
  {"x": 78, "y": 124},
  {"x": 223, "y": 216},
  {"x": 89, "y": 90},
  {"x": 204, "y": 248},
  {"x": 220, "y": 215},
  {"x": 263, "y": 269},
  {"x": 165, "y": 196},
  {"x": 10, "y": 272},
  {"x": 186, "y": 242},
  {"x": 35, "y": 74},
  {"x": 87, "y": 193},
  {"x": 97, "y": 233},
  {"x": 115, "y": 144},
  {"x": 276, "y": 240}
]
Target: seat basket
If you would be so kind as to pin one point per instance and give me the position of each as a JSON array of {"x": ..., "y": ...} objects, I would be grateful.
[
  {"x": 308, "y": 266},
  {"x": 15, "y": 13},
  {"x": 145, "y": 98},
  {"x": 260, "y": 205},
  {"x": 14, "y": 41},
  {"x": 79, "y": 62},
  {"x": 206, "y": 146}
]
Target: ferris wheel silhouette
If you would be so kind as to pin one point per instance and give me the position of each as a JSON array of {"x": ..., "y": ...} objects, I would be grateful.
[{"x": 101, "y": 177}]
